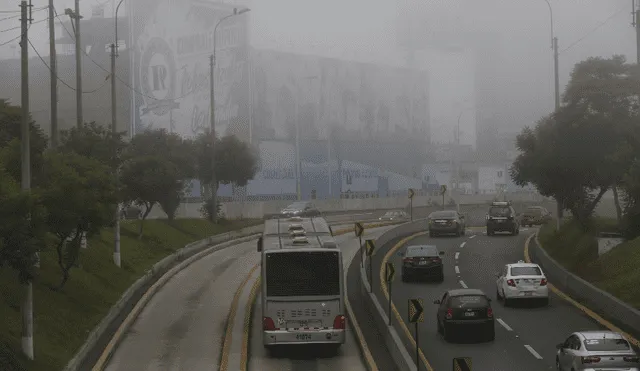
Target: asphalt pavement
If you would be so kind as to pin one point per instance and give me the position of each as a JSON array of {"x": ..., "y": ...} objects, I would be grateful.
[{"x": 526, "y": 334}]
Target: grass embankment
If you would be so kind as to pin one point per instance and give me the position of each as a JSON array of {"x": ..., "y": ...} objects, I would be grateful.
[
  {"x": 63, "y": 319},
  {"x": 577, "y": 250}
]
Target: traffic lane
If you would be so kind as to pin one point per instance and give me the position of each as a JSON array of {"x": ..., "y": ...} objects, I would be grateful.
[
  {"x": 183, "y": 325},
  {"x": 538, "y": 326},
  {"x": 311, "y": 358},
  {"x": 502, "y": 354}
]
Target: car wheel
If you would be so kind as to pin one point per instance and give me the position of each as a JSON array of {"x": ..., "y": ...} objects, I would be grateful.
[
  {"x": 558, "y": 367},
  {"x": 505, "y": 301},
  {"x": 405, "y": 278},
  {"x": 431, "y": 234},
  {"x": 498, "y": 297},
  {"x": 517, "y": 231},
  {"x": 439, "y": 326},
  {"x": 489, "y": 232},
  {"x": 441, "y": 277},
  {"x": 446, "y": 333},
  {"x": 491, "y": 334},
  {"x": 545, "y": 301}
]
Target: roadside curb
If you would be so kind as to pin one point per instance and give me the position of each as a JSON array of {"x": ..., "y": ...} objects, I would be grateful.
[{"x": 575, "y": 287}]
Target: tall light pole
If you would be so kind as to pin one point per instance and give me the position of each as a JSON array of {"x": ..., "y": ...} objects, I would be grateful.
[
  {"x": 212, "y": 64},
  {"x": 556, "y": 76},
  {"x": 114, "y": 130},
  {"x": 297, "y": 144}
]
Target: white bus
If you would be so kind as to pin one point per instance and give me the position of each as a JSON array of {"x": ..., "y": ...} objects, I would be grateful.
[{"x": 302, "y": 284}]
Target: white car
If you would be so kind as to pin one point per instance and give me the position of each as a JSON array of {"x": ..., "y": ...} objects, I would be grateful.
[{"x": 522, "y": 281}]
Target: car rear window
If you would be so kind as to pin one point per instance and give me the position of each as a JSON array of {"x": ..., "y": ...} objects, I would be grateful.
[
  {"x": 500, "y": 211},
  {"x": 443, "y": 214},
  {"x": 469, "y": 301},
  {"x": 606, "y": 345},
  {"x": 425, "y": 251},
  {"x": 526, "y": 271}
]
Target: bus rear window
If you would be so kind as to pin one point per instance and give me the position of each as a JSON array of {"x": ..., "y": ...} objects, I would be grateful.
[{"x": 314, "y": 273}]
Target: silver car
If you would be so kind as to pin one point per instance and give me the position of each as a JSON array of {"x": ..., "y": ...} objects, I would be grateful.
[{"x": 596, "y": 350}]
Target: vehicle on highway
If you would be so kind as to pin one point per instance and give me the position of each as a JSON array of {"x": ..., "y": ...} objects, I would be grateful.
[
  {"x": 522, "y": 281},
  {"x": 302, "y": 283},
  {"x": 422, "y": 261},
  {"x": 502, "y": 218},
  {"x": 446, "y": 222},
  {"x": 468, "y": 310},
  {"x": 596, "y": 350},
  {"x": 394, "y": 215},
  {"x": 300, "y": 208},
  {"x": 535, "y": 215}
]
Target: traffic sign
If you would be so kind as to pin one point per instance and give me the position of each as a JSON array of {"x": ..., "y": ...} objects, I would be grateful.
[
  {"x": 411, "y": 193},
  {"x": 370, "y": 245},
  {"x": 462, "y": 364},
  {"x": 389, "y": 272},
  {"x": 359, "y": 229},
  {"x": 443, "y": 189},
  {"x": 416, "y": 310}
]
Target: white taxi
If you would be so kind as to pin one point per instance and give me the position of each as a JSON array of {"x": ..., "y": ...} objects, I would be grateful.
[{"x": 522, "y": 281}]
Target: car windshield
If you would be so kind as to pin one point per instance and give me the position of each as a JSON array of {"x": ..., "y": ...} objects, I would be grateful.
[
  {"x": 526, "y": 271},
  {"x": 500, "y": 211},
  {"x": 469, "y": 301},
  {"x": 297, "y": 205},
  {"x": 422, "y": 251},
  {"x": 606, "y": 345},
  {"x": 391, "y": 213},
  {"x": 443, "y": 214}
]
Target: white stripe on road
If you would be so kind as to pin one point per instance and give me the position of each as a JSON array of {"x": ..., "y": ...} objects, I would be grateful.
[
  {"x": 457, "y": 269},
  {"x": 533, "y": 351},
  {"x": 464, "y": 285},
  {"x": 457, "y": 256},
  {"x": 501, "y": 322},
  {"x": 462, "y": 244},
  {"x": 474, "y": 236}
]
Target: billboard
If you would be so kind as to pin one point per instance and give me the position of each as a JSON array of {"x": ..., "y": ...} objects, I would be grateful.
[{"x": 172, "y": 42}]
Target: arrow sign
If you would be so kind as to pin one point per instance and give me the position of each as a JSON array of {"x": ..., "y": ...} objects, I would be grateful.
[
  {"x": 359, "y": 229},
  {"x": 462, "y": 364},
  {"x": 370, "y": 245},
  {"x": 411, "y": 193},
  {"x": 389, "y": 272},
  {"x": 443, "y": 189},
  {"x": 416, "y": 310}
]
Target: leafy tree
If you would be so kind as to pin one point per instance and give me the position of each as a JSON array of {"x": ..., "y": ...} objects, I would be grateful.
[
  {"x": 79, "y": 198},
  {"x": 22, "y": 228},
  {"x": 94, "y": 141}
]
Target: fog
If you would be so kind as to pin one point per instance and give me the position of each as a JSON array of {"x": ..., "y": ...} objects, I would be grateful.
[{"x": 448, "y": 37}]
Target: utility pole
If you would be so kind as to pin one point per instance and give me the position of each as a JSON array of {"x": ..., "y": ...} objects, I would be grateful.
[
  {"x": 54, "y": 78},
  {"x": 214, "y": 188},
  {"x": 636, "y": 23},
  {"x": 75, "y": 19},
  {"x": 114, "y": 131},
  {"x": 298, "y": 172},
  {"x": 559, "y": 206},
  {"x": 27, "y": 307}
]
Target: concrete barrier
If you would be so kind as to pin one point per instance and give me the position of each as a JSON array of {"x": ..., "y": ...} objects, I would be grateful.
[
  {"x": 257, "y": 209},
  {"x": 610, "y": 307},
  {"x": 391, "y": 337}
]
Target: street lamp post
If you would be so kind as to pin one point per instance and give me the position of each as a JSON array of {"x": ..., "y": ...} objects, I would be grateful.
[
  {"x": 114, "y": 130},
  {"x": 212, "y": 63}
]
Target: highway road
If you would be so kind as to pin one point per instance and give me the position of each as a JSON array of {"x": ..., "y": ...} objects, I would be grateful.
[
  {"x": 312, "y": 358},
  {"x": 526, "y": 335}
]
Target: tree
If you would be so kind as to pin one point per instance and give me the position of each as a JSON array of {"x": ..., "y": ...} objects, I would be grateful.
[
  {"x": 94, "y": 141},
  {"x": 151, "y": 180},
  {"x": 79, "y": 198},
  {"x": 22, "y": 228},
  {"x": 580, "y": 152}
]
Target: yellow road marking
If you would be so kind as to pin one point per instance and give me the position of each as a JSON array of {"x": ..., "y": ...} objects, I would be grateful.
[
  {"x": 581, "y": 307},
  {"x": 226, "y": 346},
  {"x": 385, "y": 290},
  {"x": 244, "y": 355},
  {"x": 371, "y": 363}
]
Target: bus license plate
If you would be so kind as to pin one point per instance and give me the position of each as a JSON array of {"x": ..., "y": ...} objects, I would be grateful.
[{"x": 303, "y": 337}]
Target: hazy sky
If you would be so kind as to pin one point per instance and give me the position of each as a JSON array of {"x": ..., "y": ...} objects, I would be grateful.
[{"x": 366, "y": 30}]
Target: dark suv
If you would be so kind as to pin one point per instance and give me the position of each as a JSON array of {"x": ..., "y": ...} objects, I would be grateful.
[{"x": 502, "y": 218}]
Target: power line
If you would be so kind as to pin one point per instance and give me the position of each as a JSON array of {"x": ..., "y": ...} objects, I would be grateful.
[
  {"x": 7, "y": 18},
  {"x": 116, "y": 76},
  {"x": 593, "y": 30},
  {"x": 17, "y": 27},
  {"x": 62, "y": 81}
]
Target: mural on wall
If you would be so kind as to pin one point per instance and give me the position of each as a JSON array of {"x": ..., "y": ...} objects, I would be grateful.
[{"x": 172, "y": 43}]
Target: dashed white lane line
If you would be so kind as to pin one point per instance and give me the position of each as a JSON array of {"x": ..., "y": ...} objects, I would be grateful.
[
  {"x": 474, "y": 236},
  {"x": 464, "y": 285},
  {"x": 457, "y": 256},
  {"x": 533, "y": 351},
  {"x": 462, "y": 244},
  {"x": 457, "y": 269},
  {"x": 503, "y": 324}
]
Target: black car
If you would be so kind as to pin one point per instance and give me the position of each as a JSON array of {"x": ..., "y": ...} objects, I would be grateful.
[
  {"x": 535, "y": 215},
  {"x": 301, "y": 209},
  {"x": 502, "y": 218},
  {"x": 468, "y": 310},
  {"x": 446, "y": 222},
  {"x": 422, "y": 261}
]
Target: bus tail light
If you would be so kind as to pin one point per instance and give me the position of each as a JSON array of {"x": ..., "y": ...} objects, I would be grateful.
[
  {"x": 339, "y": 323},
  {"x": 268, "y": 324}
]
